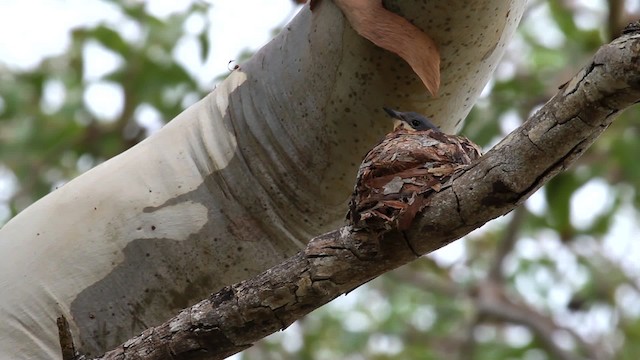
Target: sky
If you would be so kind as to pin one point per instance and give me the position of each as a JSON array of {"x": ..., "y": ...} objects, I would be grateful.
[{"x": 28, "y": 44}]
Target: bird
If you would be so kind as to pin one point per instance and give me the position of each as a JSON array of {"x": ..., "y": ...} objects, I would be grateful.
[{"x": 398, "y": 176}]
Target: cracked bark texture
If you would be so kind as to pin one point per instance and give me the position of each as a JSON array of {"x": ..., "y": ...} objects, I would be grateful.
[{"x": 339, "y": 261}]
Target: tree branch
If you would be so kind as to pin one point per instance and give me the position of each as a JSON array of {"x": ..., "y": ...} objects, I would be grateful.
[
  {"x": 543, "y": 327},
  {"x": 615, "y": 19},
  {"x": 506, "y": 244},
  {"x": 339, "y": 261}
]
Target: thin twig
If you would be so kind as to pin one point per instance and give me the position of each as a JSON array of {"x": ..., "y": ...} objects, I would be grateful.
[
  {"x": 468, "y": 345},
  {"x": 615, "y": 18},
  {"x": 66, "y": 339},
  {"x": 506, "y": 244}
]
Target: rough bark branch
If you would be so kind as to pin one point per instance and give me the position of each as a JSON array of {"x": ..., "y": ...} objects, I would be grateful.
[{"x": 339, "y": 261}]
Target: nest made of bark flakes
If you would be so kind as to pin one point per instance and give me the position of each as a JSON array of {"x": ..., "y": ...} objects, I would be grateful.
[{"x": 397, "y": 177}]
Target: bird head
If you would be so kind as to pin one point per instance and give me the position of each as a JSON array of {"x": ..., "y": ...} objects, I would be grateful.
[{"x": 410, "y": 121}]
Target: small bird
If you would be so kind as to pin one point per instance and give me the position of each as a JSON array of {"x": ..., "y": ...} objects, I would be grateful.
[{"x": 397, "y": 176}]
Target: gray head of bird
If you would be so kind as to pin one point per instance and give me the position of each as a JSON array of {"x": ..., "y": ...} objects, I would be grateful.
[{"x": 410, "y": 121}]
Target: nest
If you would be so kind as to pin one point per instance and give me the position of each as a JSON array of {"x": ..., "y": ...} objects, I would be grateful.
[{"x": 398, "y": 176}]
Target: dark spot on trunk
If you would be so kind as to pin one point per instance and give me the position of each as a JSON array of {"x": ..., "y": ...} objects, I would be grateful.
[
  {"x": 224, "y": 295},
  {"x": 500, "y": 194}
]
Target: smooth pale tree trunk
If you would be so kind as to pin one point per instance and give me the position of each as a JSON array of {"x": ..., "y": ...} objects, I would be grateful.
[{"x": 234, "y": 184}]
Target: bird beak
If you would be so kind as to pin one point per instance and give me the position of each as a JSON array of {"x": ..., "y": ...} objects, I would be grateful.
[
  {"x": 397, "y": 117},
  {"x": 393, "y": 113}
]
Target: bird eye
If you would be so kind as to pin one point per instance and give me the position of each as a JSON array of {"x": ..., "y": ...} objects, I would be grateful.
[{"x": 415, "y": 123}]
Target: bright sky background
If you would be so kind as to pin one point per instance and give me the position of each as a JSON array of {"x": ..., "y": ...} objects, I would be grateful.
[{"x": 32, "y": 29}]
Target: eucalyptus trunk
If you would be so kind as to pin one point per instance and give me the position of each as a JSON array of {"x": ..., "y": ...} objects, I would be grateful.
[{"x": 236, "y": 183}]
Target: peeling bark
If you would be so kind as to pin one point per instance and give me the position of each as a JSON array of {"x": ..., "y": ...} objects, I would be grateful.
[
  {"x": 339, "y": 261},
  {"x": 394, "y": 33}
]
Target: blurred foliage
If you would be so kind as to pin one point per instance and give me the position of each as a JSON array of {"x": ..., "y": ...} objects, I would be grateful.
[
  {"x": 558, "y": 281},
  {"x": 45, "y": 144}
]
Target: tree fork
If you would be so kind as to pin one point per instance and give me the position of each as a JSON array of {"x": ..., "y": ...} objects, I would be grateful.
[{"x": 339, "y": 261}]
